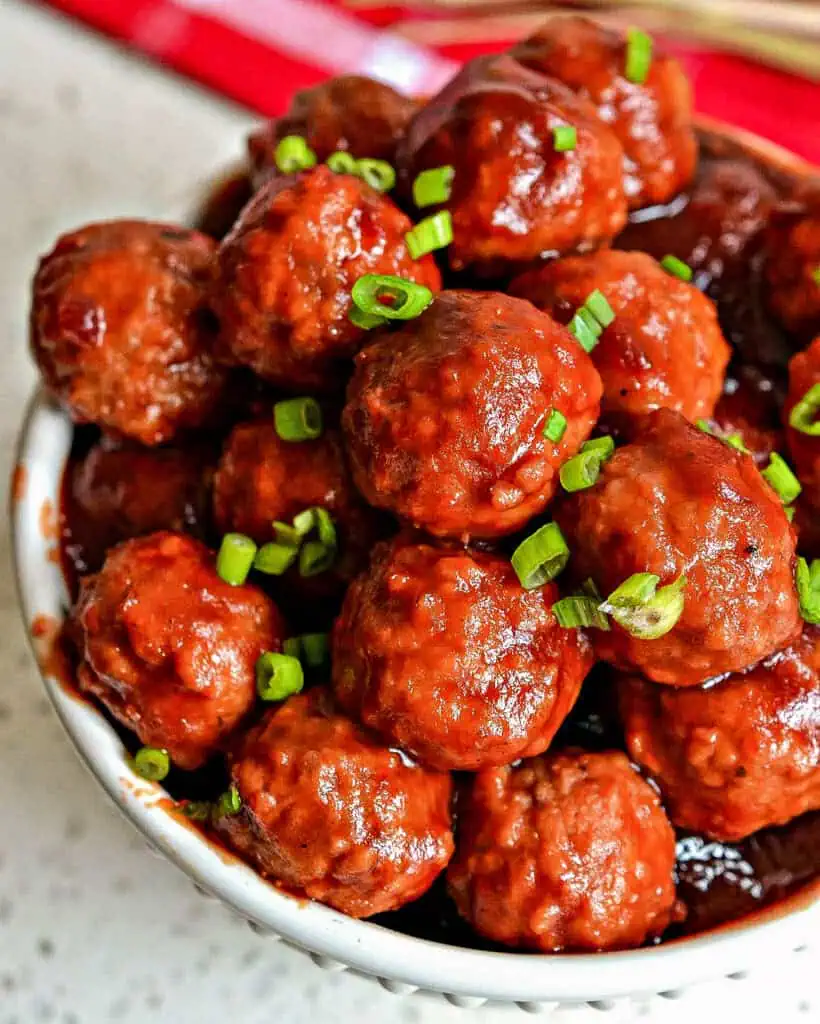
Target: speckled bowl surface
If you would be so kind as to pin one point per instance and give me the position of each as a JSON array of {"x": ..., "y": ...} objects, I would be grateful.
[{"x": 400, "y": 963}]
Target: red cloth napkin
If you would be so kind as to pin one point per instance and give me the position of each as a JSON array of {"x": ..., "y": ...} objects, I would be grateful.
[{"x": 260, "y": 51}]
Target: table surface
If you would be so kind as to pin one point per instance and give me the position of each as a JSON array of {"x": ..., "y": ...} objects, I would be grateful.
[{"x": 94, "y": 928}]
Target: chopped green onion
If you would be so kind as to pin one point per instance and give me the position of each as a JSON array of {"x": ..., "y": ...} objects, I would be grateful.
[
  {"x": 807, "y": 579},
  {"x": 293, "y": 647},
  {"x": 275, "y": 559},
  {"x": 781, "y": 479},
  {"x": 540, "y": 557},
  {"x": 341, "y": 162},
  {"x": 324, "y": 526},
  {"x": 599, "y": 307},
  {"x": 315, "y": 558},
  {"x": 736, "y": 441},
  {"x": 575, "y": 612},
  {"x": 556, "y": 426},
  {"x": 235, "y": 558},
  {"x": 366, "y": 321},
  {"x": 303, "y": 522},
  {"x": 584, "y": 335},
  {"x": 564, "y": 138},
  {"x": 638, "y": 56},
  {"x": 278, "y": 676},
  {"x": 229, "y": 802},
  {"x": 197, "y": 810},
  {"x": 298, "y": 419},
  {"x": 407, "y": 299},
  {"x": 433, "y": 186},
  {"x": 805, "y": 416},
  {"x": 293, "y": 154},
  {"x": 589, "y": 589},
  {"x": 603, "y": 447},
  {"x": 434, "y": 232},
  {"x": 377, "y": 173},
  {"x": 642, "y": 610},
  {"x": 705, "y": 426},
  {"x": 581, "y": 471},
  {"x": 789, "y": 510},
  {"x": 815, "y": 274},
  {"x": 316, "y": 649},
  {"x": 591, "y": 322},
  {"x": 152, "y": 764},
  {"x": 677, "y": 268},
  {"x": 287, "y": 534}
]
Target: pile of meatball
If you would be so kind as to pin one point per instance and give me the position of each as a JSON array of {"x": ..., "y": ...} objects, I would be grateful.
[{"x": 559, "y": 460}]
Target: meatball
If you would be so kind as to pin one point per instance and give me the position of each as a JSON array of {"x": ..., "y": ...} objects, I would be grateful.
[
  {"x": 793, "y": 269},
  {"x": 120, "y": 332},
  {"x": 444, "y": 653},
  {"x": 652, "y": 119},
  {"x": 351, "y": 113},
  {"x": 664, "y": 348},
  {"x": 329, "y": 812},
  {"x": 169, "y": 648},
  {"x": 445, "y": 416},
  {"x": 677, "y": 501},
  {"x": 287, "y": 268},
  {"x": 514, "y": 197},
  {"x": 120, "y": 491},
  {"x": 261, "y": 478},
  {"x": 569, "y": 851},
  {"x": 737, "y": 756},
  {"x": 804, "y": 374}
]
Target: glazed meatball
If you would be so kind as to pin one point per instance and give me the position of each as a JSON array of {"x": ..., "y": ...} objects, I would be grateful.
[
  {"x": 445, "y": 416},
  {"x": 652, "y": 119},
  {"x": 330, "y": 813},
  {"x": 664, "y": 348},
  {"x": 350, "y": 113},
  {"x": 121, "y": 491},
  {"x": 261, "y": 478},
  {"x": 287, "y": 268},
  {"x": 169, "y": 648},
  {"x": 804, "y": 374},
  {"x": 737, "y": 756},
  {"x": 446, "y": 655},
  {"x": 120, "y": 331},
  {"x": 678, "y": 501},
  {"x": 514, "y": 197},
  {"x": 793, "y": 270},
  {"x": 569, "y": 851}
]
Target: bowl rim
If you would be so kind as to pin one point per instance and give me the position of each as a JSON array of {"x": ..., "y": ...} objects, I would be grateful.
[{"x": 401, "y": 962}]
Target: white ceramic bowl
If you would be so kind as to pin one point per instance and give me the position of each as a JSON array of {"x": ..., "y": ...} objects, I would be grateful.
[{"x": 401, "y": 964}]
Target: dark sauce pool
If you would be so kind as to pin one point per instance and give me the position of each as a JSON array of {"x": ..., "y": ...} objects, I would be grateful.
[{"x": 718, "y": 883}]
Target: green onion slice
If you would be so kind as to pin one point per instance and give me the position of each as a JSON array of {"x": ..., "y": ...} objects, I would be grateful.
[
  {"x": 677, "y": 268},
  {"x": 781, "y": 479},
  {"x": 584, "y": 335},
  {"x": 579, "y": 611},
  {"x": 581, "y": 471},
  {"x": 303, "y": 522},
  {"x": 638, "y": 56},
  {"x": 298, "y": 419},
  {"x": 229, "y": 802},
  {"x": 315, "y": 557},
  {"x": 341, "y": 162},
  {"x": 325, "y": 527},
  {"x": 434, "y": 232},
  {"x": 789, "y": 510},
  {"x": 805, "y": 416},
  {"x": 815, "y": 274},
  {"x": 235, "y": 558},
  {"x": 316, "y": 649},
  {"x": 433, "y": 186},
  {"x": 556, "y": 426},
  {"x": 599, "y": 307},
  {"x": 540, "y": 557},
  {"x": 807, "y": 579},
  {"x": 278, "y": 676},
  {"x": 392, "y": 297},
  {"x": 152, "y": 763},
  {"x": 197, "y": 810},
  {"x": 736, "y": 441},
  {"x": 603, "y": 447},
  {"x": 293, "y": 154},
  {"x": 644, "y": 611},
  {"x": 287, "y": 534},
  {"x": 377, "y": 173},
  {"x": 275, "y": 559},
  {"x": 367, "y": 321},
  {"x": 564, "y": 138}
]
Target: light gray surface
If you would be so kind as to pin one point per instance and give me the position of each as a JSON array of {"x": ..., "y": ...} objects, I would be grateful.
[{"x": 93, "y": 928}]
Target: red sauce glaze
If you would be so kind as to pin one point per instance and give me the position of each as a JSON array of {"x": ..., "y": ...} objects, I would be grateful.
[
  {"x": 287, "y": 267},
  {"x": 19, "y": 483},
  {"x": 514, "y": 198},
  {"x": 329, "y": 812},
  {"x": 169, "y": 648},
  {"x": 119, "y": 328},
  {"x": 664, "y": 348},
  {"x": 804, "y": 373},
  {"x": 445, "y": 416},
  {"x": 793, "y": 244},
  {"x": 53, "y": 648},
  {"x": 750, "y": 407},
  {"x": 679, "y": 501},
  {"x": 569, "y": 851},
  {"x": 652, "y": 120},
  {"x": 445, "y": 654},
  {"x": 739, "y": 756}
]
